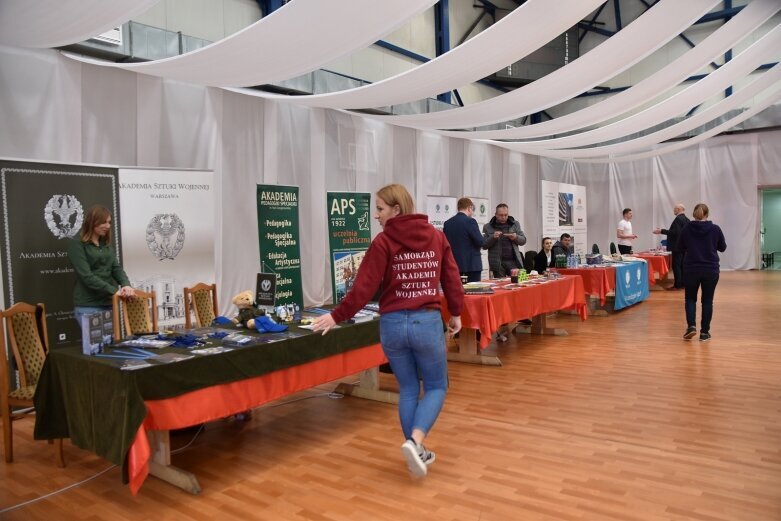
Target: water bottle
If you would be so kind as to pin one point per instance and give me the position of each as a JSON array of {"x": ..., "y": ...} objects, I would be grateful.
[{"x": 577, "y": 260}]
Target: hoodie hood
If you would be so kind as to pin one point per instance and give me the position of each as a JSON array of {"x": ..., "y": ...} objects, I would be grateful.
[
  {"x": 412, "y": 232},
  {"x": 700, "y": 228}
]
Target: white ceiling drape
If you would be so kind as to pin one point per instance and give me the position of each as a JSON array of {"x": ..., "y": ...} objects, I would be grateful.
[
  {"x": 738, "y": 68},
  {"x": 716, "y": 44},
  {"x": 663, "y": 22},
  {"x": 54, "y": 23},
  {"x": 489, "y": 51},
  {"x": 766, "y": 85},
  {"x": 300, "y": 37},
  {"x": 768, "y": 100}
]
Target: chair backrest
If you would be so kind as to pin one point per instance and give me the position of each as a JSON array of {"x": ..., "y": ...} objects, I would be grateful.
[
  {"x": 594, "y": 248},
  {"x": 613, "y": 248},
  {"x": 138, "y": 315},
  {"x": 201, "y": 298},
  {"x": 26, "y": 326},
  {"x": 528, "y": 260}
]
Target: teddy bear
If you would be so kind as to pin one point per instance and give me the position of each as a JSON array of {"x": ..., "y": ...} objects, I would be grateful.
[{"x": 245, "y": 301}]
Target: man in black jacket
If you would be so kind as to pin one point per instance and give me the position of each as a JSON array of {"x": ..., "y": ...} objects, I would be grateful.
[
  {"x": 672, "y": 242},
  {"x": 563, "y": 246}
]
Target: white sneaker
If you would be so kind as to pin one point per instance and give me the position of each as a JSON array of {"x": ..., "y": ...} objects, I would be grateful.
[{"x": 415, "y": 463}]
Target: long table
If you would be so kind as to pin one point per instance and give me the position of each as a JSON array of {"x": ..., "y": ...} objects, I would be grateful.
[
  {"x": 599, "y": 281},
  {"x": 659, "y": 265},
  {"x": 125, "y": 416},
  {"x": 486, "y": 313}
]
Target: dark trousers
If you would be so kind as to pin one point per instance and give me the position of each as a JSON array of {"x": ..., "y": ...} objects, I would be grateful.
[
  {"x": 504, "y": 269},
  {"x": 472, "y": 276},
  {"x": 693, "y": 282},
  {"x": 678, "y": 268},
  {"x": 624, "y": 250}
]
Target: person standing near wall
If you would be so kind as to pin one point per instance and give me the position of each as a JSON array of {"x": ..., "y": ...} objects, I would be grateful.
[
  {"x": 409, "y": 260},
  {"x": 502, "y": 236},
  {"x": 98, "y": 272},
  {"x": 700, "y": 241},
  {"x": 624, "y": 233},
  {"x": 465, "y": 240},
  {"x": 673, "y": 233}
]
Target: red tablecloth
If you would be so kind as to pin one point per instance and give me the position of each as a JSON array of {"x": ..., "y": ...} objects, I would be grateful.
[
  {"x": 596, "y": 281},
  {"x": 487, "y": 312},
  {"x": 660, "y": 264},
  {"x": 218, "y": 401}
]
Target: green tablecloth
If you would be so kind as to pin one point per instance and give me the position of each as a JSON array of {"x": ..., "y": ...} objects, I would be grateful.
[{"x": 100, "y": 407}]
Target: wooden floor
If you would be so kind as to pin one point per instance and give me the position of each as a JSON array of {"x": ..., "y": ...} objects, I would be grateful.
[{"x": 621, "y": 420}]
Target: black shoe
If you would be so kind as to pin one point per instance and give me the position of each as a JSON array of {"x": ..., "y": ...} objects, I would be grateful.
[
  {"x": 690, "y": 332},
  {"x": 704, "y": 335}
]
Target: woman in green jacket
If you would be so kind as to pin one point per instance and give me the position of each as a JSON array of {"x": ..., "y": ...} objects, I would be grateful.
[{"x": 98, "y": 272}]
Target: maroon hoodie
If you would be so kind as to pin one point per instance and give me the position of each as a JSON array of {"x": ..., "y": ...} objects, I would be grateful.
[{"x": 409, "y": 259}]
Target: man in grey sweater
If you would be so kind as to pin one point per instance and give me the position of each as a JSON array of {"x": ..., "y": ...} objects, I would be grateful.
[{"x": 502, "y": 236}]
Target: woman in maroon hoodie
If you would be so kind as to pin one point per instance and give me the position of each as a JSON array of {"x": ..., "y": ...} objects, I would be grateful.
[
  {"x": 409, "y": 260},
  {"x": 700, "y": 241}
]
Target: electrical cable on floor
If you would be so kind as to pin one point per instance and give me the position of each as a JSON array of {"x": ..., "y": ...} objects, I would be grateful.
[
  {"x": 50, "y": 494},
  {"x": 333, "y": 395},
  {"x": 195, "y": 436}
]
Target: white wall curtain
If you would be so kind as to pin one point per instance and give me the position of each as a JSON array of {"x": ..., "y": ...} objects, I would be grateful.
[
  {"x": 724, "y": 172},
  {"x": 81, "y": 113}
]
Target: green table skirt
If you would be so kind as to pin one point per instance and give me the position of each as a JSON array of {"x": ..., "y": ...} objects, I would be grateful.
[{"x": 100, "y": 407}]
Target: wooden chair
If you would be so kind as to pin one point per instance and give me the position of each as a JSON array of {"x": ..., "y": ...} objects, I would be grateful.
[
  {"x": 26, "y": 326},
  {"x": 138, "y": 315},
  {"x": 202, "y": 299}
]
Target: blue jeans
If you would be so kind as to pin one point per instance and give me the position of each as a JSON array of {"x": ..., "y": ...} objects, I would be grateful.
[
  {"x": 80, "y": 311},
  {"x": 693, "y": 282},
  {"x": 414, "y": 343}
]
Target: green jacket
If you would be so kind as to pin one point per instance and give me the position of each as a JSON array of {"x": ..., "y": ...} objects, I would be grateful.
[{"x": 98, "y": 273}]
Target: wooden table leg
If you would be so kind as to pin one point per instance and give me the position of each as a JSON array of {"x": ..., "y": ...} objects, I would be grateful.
[
  {"x": 160, "y": 464},
  {"x": 469, "y": 351},
  {"x": 539, "y": 327},
  {"x": 368, "y": 388}
]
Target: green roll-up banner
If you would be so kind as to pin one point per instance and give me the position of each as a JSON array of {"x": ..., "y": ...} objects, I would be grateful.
[
  {"x": 278, "y": 239},
  {"x": 349, "y": 236}
]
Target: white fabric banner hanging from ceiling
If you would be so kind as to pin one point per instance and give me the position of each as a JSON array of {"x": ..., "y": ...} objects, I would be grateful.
[
  {"x": 717, "y": 43},
  {"x": 167, "y": 234},
  {"x": 489, "y": 51},
  {"x": 769, "y": 98},
  {"x": 663, "y": 22},
  {"x": 54, "y": 23},
  {"x": 677, "y": 105},
  {"x": 766, "y": 86},
  {"x": 263, "y": 52},
  {"x": 564, "y": 210}
]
